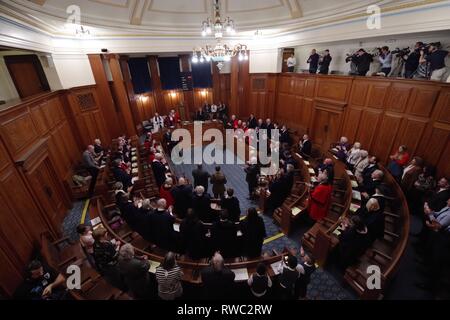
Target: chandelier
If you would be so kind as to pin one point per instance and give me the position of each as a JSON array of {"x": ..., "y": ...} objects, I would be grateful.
[{"x": 219, "y": 52}]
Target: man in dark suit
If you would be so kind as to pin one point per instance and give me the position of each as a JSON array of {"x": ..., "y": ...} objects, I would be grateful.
[
  {"x": 284, "y": 136},
  {"x": 121, "y": 176},
  {"x": 201, "y": 204},
  {"x": 313, "y": 61},
  {"x": 218, "y": 280},
  {"x": 163, "y": 226},
  {"x": 200, "y": 115},
  {"x": 231, "y": 205},
  {"x": 269, "y": 127},
  {"x": 305, "y": 146},
  {"x": 182, "y": 196},
  {"x": 201, "y": 177},
  {"x": 223, "y": 235},
  {"x": 252, "y": 172},
  {"x": 252, "y": 122},
  {"x": 438, "y": 199},
  {"x": 369, "y": 188},
  {"x": 367, "y": 172},
  {"x": 159, "y": 169}
]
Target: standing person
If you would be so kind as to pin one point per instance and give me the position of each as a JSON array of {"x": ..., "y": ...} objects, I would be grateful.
[
  {"x": 320, "y": 199},
  {"x": 252, "y": 122},
  {"x": 182, "y": 196},
  {"x": 254, "y": 232},
  {"x": 305, "y": 146},
  {"x": 290, "y": 271},
  {"x": 192, "y": 233},
  {"x": 301, "y": 285},
  {"x": 200, "y": 177},
  {"x": 231, "y": 204},
  {"x": 291, "y": 63},
  {"x": 259, "y": 282},
  {"x": 252, "y": 173},
  {"x": 165, "y": 192},
  {"x": 385, "y": 59},
  {"x": 134, "y": 271},
  {"x": 92, "y": 166},
  {"x": 157, "y": 122},
  {"x": 324, "y": 62},
  {"x": 313, "y": 61},
  {"x": 412, "y": 61},
  {"x": 218, "y": 181},
  {"x": 169, "y": 276},
  {"x": 362, "y": 59},
  {"x": 218, "y": 280},
  {"x": 436, "y": 59}
]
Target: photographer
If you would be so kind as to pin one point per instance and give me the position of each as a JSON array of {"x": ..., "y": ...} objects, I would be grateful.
[
  {"x": 362, "y": 59},
  {"x": 412, "y": 61},
  {"x": 324, "y": 62},
  {"x": 436, "y": 59},
  {"x": 385, "y": 59}
]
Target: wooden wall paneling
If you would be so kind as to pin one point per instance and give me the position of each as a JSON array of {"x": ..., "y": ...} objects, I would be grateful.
[
  {"x": 398, "y": 96},
  {"x": 106, "y": 101},
  {"x": 217, "y": 96},
  {"x": 328, "y": 122},
  {"x": 367, "y": 127},
  {"x": 156, "y": 84},
  {"x": 130, "y": 91},
  {"x": 334, "y": 90},
  {"x": 410, "y": 133},
  {"x": 145, "y": 105},
  {"x": 11, "y": 275},
  {"x": 358, "y": 96},
  {"x": 423, "y": 99},
  {"x": 377, "y": 95},
  {"x": 387, "y": 132},
  {"x": 351, "y": 122},
  {"x": 244, "y": 86},
  {"x": 433, "y": 143},
  {"x": 443, "y": 164},
  {"x": 234, "y": 87},
  {"x": 442, "y": 110},
  {"x": 189, "y": 105},
  {"x": 121, "y": 95},
  {"x": 225, "y": 88}
]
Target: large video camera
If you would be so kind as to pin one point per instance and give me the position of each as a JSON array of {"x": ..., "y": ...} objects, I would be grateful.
[
  {"x": 350, "y": 57},
  {"x": 401, "y": 52}
]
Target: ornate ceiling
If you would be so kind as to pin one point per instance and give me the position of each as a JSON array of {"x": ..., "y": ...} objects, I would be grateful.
[{"x": 113, "y": 18}]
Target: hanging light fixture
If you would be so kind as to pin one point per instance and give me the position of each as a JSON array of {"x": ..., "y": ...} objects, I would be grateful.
[{"x": 220, "y": 52}]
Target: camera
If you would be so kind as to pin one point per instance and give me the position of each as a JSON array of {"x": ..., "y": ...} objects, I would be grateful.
[
  {"x": 350, "y": 57},
  {"x": 401, "y": 52}
]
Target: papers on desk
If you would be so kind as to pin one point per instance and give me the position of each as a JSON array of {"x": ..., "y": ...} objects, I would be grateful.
[
  {"x": 153, "y": 266},
  {"x": 337, "y": 232},
  {"x": 349, "y": 172},
  {"x": 335, "y": 157},
  {"x": 134, "y": 165},
  {"x": 354, "y": 207},
  {"x": 311, "y": 170},
  {"x": 306, "y": 162},
  {"x": 176, "y": 227},
  {"x": 335, "y": 150},
  {"x": 354, "y": 184},
  {"x": 239, "y": 233},
  {"x": 134, "y": 159},
  {"x": 134, "y": 179},
  {"x": 95, "y": 221},
  {"x": 276, "y": 267},
  {"x": 299, "y": 156},
  {"x": 295, "y": 211},
  {"x": 240, "y": 274},
  {"x": 356, "y": 195}
]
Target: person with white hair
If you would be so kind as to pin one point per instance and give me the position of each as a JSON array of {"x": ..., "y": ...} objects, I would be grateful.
[
  {"x": 218, "y": 280},
  {"x": 353, "y": 155},
  {"x": 159, "y": 169},
  {"x": 134, "y": 271},
  {"x": 341, "y": 149},
  {"x": 201, "y": 203},
  {"x": 373, "y": 217},
  {"x": 182, "y": 196},
  {"x": 162, "y": 227},
  {"x": 362, "y": 163},
  {"x": 252, "y": 171}
]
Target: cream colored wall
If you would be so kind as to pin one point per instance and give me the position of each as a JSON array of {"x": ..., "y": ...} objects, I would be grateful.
[{"x": 73, "y": 70}]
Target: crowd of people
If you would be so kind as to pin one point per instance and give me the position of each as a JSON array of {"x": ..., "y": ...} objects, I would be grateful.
[{"x": 424, "y": 61}]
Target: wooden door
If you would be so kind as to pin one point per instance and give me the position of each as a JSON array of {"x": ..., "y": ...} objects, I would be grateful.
[
  {"x": 48, "y": 192},
  {"x": 325, "y": 127},
  {"x": 27, "y": 74}
]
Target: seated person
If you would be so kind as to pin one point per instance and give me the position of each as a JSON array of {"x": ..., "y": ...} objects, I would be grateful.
[
  {"x": 368, "y": 187},
  {"x": 366, "y": 174},
  {"x": 341, "y": 149},
  {"x": 360, "y": 165},
  {"x": 398, "y": 161},
  {"x": 41, "y": 283},
  {"x": 353, "y": 155},
  {"x": 231, "y": 204},
  {"x": 411, "y": 173}
]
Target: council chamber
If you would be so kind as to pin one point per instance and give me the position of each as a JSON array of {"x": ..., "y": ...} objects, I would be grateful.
[{"x": 224, "y": 150}]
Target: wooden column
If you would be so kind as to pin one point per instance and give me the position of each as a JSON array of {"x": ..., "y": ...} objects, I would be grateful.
[
  {"x": 130, "y": 92},
  {"x": 244, "y": 87},
  {"x": 234, "y": 87},
  {"x": 121, "y": 95},
  {"x": 188, "y": 95},
  {"x": 108, "y": 108},
  {"x": 216, "y": 83},
  {"x": 156, "y": 85}
]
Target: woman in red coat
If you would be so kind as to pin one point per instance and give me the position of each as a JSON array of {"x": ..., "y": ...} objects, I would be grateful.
[
  {"x": 320, "y": 200},
  {"x": 165, "y": 192}
]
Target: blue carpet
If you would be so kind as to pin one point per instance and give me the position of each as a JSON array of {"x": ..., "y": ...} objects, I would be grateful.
[{"x": 72, "y": 220}]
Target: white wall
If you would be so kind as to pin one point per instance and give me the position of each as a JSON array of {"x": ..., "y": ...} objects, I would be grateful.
[
  {"x": 73, "y": 70},
  {"x": 265, "y": 61},
  {"x": 338, "y": 50},
  {"x": 7, "y": 88}
]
